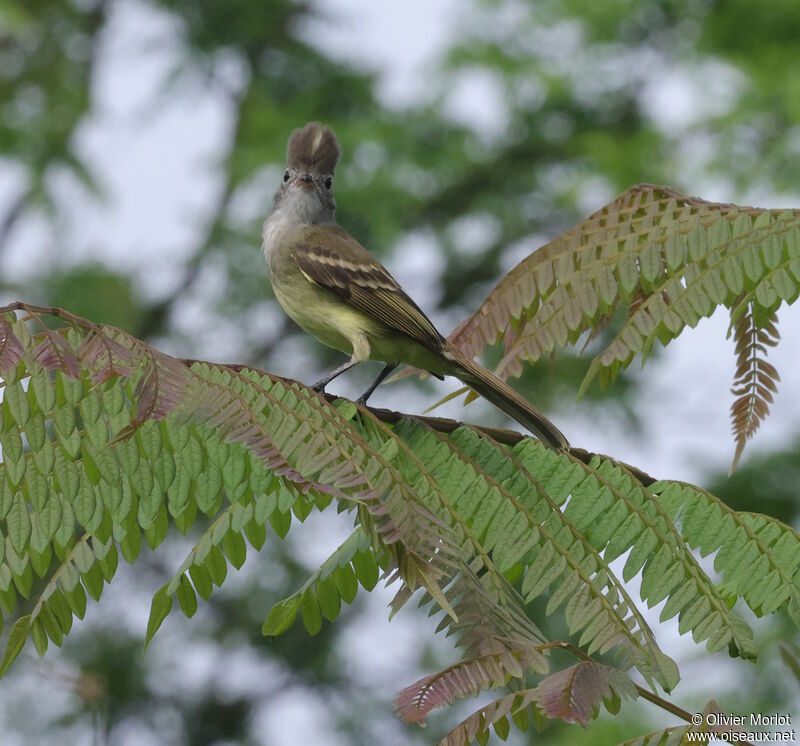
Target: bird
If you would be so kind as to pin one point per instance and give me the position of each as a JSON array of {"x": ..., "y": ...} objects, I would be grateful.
[{"x": 337, "y": 291}]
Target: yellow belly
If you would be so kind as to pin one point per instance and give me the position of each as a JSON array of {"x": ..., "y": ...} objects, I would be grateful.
[{"x": 322, "y": 314}]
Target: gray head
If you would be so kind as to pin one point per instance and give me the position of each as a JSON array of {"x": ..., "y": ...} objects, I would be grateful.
[{"x": 307, "y": 189}]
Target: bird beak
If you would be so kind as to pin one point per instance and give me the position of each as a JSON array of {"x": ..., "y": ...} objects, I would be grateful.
[{"x": 306, "y": 180}]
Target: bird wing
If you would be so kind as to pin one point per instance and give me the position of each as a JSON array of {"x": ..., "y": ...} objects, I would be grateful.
[{"x": 333, "y": 259}]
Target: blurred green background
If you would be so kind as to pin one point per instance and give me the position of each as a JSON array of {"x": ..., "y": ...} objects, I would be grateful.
[{"x": 140, "y": 145}]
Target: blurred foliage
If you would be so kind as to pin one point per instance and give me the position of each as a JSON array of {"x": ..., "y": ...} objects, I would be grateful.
[
  {"x": 98, "y": 293},
  {"x": 765, "y": 483},
  {"x": 47, "y": 52},
  {"x": 580, "y": 114}
]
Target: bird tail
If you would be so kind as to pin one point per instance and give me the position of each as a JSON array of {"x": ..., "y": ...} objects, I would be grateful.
[{"x": 509, "y": 401}]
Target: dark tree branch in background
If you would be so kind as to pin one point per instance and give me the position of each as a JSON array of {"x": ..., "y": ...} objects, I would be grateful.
[
  {"x": 15, "y": 211},
  {"x": 155, "y": 318}
]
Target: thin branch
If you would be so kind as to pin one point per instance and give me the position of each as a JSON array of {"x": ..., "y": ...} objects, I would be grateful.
[
  {"x": 390, "y": 416},
  {"x": 443, "y": 424}
]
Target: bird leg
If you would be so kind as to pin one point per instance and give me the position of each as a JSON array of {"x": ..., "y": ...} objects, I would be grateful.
[
  {"x": 320, "y": 385},
  {"x": 388, "y": 368}
]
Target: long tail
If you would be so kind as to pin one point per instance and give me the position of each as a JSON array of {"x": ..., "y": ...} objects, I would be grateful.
[{"x": 509, "y": 401}]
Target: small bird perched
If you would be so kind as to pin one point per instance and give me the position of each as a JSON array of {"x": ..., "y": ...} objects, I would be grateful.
[{"x": 336, "y": 290}]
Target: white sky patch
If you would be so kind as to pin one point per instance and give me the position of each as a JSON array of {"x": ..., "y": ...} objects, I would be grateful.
[
  {"x": 417, "y": 264},
  {"x": 319, "y": 536},
  {"x": 761, "y": 194},
  {"x": 293, "y": 717},
  {"x": 683, "y": 96},
  {"x": 29, "y": 247},
  {"x": 11, "y": 176},
  {"x": 475, "y": 99},
  {"x": 558, "y": 42},
  {"x": 380, "y": 654},
  {"x": 253, "y": 199},
  {"x": 519, "y": 250},
  {"x": 399, "y": 41},
  {"x": 195, "y": 319},
  {"x": 594, "y": 192},
  {"x": 474, "y": 234}
]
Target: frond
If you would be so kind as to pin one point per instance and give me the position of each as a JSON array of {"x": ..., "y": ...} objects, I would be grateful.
[
  {"x": 103, "y": 437},
  {"x": 670, "y": 259},
  {"x": 572, "y": 695},
  {"x": 755, "y": 381},
  {"x": 617, "y": 513},
  {"x": 518, "y": 522},
  {"x": 490, "y": 617},
  {"x": 464, "y": 679},
  {"x": 757, "y": 556},
  {"x": 494, "y": 715}
]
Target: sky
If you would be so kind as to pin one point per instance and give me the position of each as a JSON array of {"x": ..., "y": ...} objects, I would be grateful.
[{"x": 157, "y": 169}]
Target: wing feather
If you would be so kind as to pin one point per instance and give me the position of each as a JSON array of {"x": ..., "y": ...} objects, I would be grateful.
[{"x": 330, "y": 257}]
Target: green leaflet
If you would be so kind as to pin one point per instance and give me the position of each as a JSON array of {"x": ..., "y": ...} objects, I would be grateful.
[
  {"x": 201, "y": 579},
  {"x": 235, "y": 548},
  {"x": 281, "y": 616},
  {"x": 13, "y": 457},
  {"x": 15, "y": 642},
  {"x": 186, "y": 597},
  {"x": 162, "y": 603},
  {"x": 15, "y": 403},
  {"x": 43, "y": 389},
  {"x": 6, "y": 496},
  {"x": 335, "y": 581},
  {"x": 18, "y": 524},
  {"x": 366, "y": 569},
  {"x": 216, "y": 565},
  {"x": 309, "y": 608}
]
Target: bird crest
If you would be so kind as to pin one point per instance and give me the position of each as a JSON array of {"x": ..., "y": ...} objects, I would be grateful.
[{"x": 313, "y": 148}]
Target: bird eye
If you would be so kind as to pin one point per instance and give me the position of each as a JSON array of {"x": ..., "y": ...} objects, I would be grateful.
[
  {"x": 328, "y": 182},
  {"x": 286, "y": 176}
]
